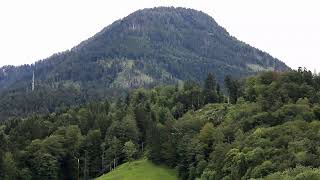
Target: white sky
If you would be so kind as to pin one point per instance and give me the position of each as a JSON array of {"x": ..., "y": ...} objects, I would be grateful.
[{"x": 35, "y": 29}]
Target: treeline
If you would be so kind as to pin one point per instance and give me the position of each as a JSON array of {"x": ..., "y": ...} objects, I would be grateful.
[
  {"x": 271, "y": 131},
  {"x": 95, "y": 137},
  {"x": 267, "y": 127}
]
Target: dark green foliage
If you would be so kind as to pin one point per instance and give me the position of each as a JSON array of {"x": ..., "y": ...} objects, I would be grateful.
[
  {"x": 271, "y": 130},
  {"x": 233, "y": 88},
  {"x": 94, "y": 135},
  {"x": 45, "y": 166},
  {"x": 92, "y": 147},
  {"x": 210, "y": 90}
]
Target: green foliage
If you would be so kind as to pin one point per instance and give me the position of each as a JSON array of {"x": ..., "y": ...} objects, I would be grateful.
[
  {"x": 9, "y": 167},
  {"x": 268, "y": 131},
  {"x": 210, "y": 90},
  {"x": 233, "y": 87},
  {"x": 45, "y": 166},
  {"x": 298, "y": 173},
  {"x": 92, "y": 148},
  {"x": 130, "y": 150}
]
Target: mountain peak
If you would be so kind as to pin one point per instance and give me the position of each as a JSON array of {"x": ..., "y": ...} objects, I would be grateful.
[
  {"x": 164, "y": 22},
  {"x": 162, "y": 45}
]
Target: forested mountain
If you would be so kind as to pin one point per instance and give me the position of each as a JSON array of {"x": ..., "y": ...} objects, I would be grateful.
[
  {"x": 149, "y": 47},
  {"x": 269, "y": 130}
]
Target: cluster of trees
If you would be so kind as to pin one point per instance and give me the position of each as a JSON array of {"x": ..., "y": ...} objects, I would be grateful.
[
  {"x": 89, "y": 140},
  {"x": 271, "y": 128},
  {"x": 266, "y": 128},
  {"x": 63, "y": 89}
]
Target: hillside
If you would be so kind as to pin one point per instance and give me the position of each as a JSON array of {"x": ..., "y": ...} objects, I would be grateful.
[
  {"x": 140, "y": 170},
  {"x": 269, "y": 130},
  {"x": 147, "y": 48}
]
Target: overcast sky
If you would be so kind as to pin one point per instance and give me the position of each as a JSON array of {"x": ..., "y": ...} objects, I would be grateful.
[{"x": 31, "y": 30}]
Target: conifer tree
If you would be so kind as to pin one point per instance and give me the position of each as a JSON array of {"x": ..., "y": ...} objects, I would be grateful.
[{"x": 209, "y": 90}]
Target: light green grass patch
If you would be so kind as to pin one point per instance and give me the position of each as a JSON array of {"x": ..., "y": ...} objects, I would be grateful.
[{"x": 140, "y": 170}]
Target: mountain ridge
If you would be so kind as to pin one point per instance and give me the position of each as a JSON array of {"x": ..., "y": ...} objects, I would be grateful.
[
  {"x": 153, "y": 46},
  {"x": 100, "y": 40}
]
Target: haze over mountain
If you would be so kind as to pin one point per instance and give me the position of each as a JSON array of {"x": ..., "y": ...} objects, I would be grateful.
[
  {"x": 163, "y": 93},
  {"x": 149, "y": 47}
]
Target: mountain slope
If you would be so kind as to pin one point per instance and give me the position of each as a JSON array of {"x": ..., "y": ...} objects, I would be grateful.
[
  {"x": 140, "y": 170},
  {"x": 149, "y": 47}
]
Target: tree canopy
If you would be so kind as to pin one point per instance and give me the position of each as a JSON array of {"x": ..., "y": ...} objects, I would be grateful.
[{"x": 270, "y": 130}]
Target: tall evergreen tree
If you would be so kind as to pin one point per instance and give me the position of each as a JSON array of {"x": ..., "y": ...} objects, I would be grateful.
[
  {"x": 209, "y": 90},
  {"x": 233, "y": 88}
]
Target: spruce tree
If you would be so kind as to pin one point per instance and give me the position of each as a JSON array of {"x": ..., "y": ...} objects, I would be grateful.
[{"x": 209, "y": 90}]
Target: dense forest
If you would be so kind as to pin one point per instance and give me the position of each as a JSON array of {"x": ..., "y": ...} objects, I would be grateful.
[
  {"x": 265, "y": 127},
  {"x": 148, "y": 48}
]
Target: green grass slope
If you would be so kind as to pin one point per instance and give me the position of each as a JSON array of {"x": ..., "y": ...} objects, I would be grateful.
[{"x": 140, "y": 170}]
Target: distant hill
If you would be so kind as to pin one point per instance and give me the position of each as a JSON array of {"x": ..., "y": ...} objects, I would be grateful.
[
  {"x": 140, "y": 170},
  {"x": 149, "y": 47}
]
